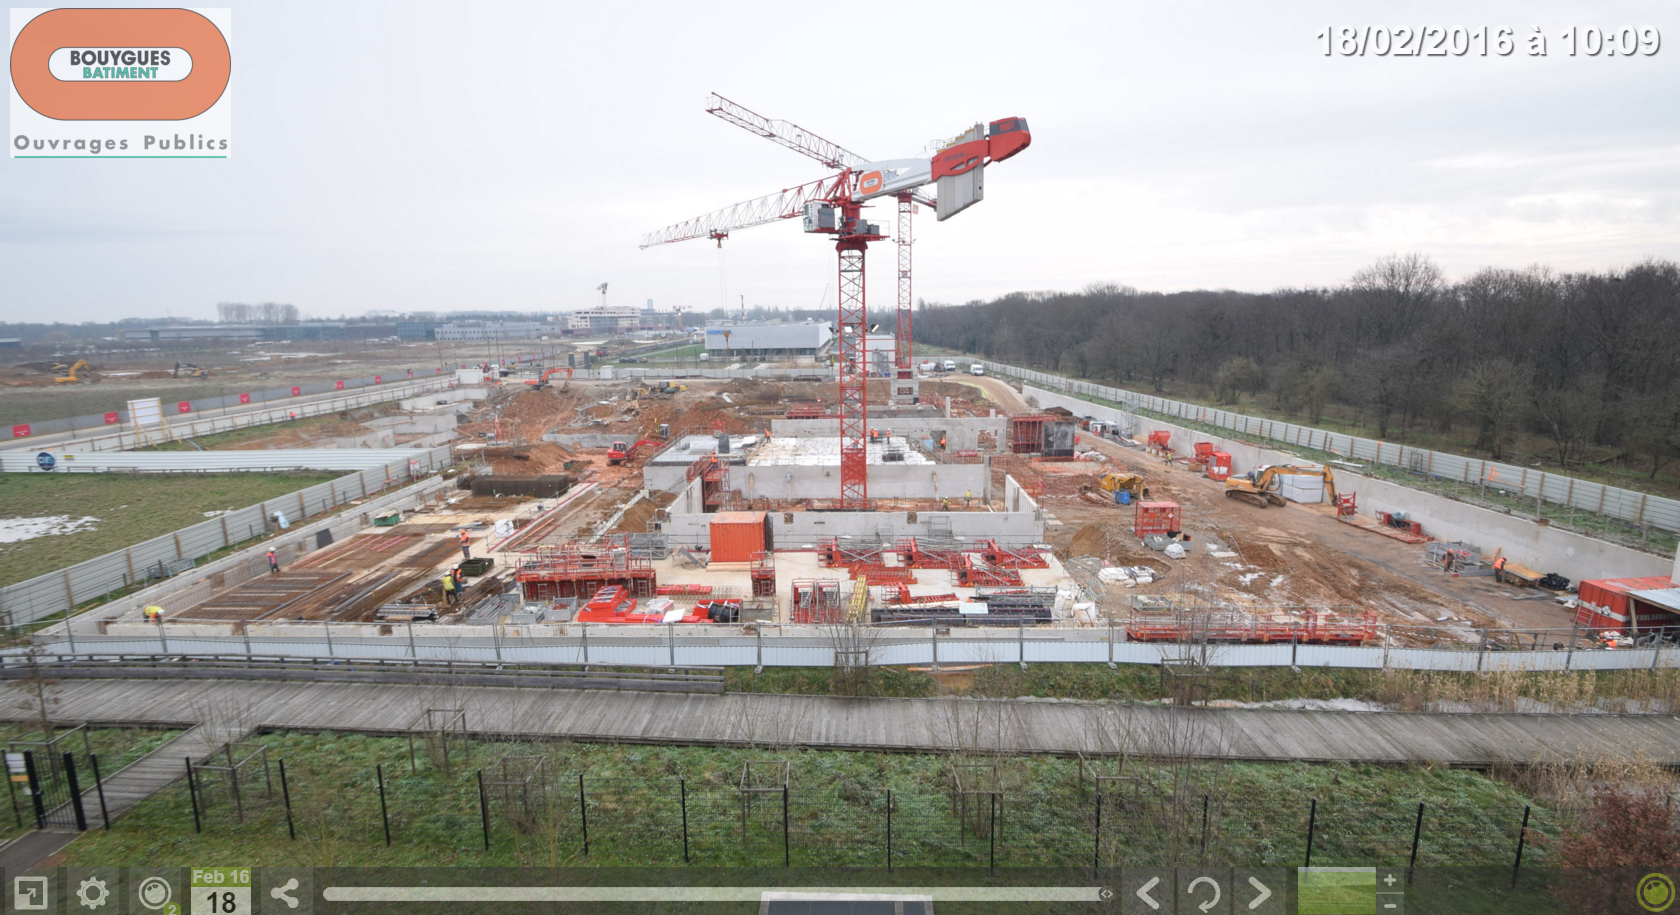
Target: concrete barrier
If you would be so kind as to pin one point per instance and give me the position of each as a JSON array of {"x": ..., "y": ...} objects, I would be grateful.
[{"x": 1522, "y": 541}]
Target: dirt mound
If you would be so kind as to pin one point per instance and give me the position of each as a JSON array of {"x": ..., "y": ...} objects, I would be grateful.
[{"x": 525, "y": 460}]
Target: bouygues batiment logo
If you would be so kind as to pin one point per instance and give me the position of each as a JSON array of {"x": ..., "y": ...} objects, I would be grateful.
[{"x": 121, "y": 83}]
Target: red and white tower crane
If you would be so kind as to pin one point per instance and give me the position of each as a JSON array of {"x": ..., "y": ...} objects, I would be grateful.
[{"x": 834, "y": 206}]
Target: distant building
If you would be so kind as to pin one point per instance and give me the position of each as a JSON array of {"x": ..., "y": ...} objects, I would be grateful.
[
  {"x": 418, "y": 330},
  {"x": 195, "y": 332},
  {"x": 476, "y": 331},
  {"x": 754, "y": 340},
  {"x": 10, "y": 343},
  {"x": 313, "y": 330},
  {"x": 605, "y": 320}
]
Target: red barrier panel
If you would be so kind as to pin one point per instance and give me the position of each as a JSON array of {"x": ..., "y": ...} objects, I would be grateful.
[
  {"x": 112, "y": 419},
  {"x": 184, "y": 407},
  {"x": 20, "y": 431},
  {"x": 244, "y": 398},
  {"x": 339, "y": 385},
  {"x": 378, "y": 378},
  {"x": 296, "y": 390}
]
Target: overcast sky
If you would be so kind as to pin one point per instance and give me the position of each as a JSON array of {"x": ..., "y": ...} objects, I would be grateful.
[{"x": 499, "y": 155}]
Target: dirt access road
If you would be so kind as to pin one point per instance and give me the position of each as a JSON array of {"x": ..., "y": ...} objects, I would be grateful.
[{"x": 1321, "y": 558}]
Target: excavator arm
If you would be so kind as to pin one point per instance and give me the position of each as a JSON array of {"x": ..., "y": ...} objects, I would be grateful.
[{"x": 1259, "y": 487}]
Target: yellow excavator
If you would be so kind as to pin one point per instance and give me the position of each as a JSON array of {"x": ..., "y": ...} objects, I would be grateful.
[
  {"x": 68, "y": 372},
  {"x": 1112, "y": 483},
  {"x": 1259, "y": 487}
]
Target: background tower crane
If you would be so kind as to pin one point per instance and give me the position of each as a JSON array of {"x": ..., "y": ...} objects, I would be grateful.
[{"x": 834, "y": 206}]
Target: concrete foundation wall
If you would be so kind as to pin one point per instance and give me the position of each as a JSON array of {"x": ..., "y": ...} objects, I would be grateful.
[
  {"x": 1543, "y": 548},
  {"x": 795, "y": 483},
  {"x": 795, "y": 530},
  {"x": 432, "y": 401},
  {"x": 378, "y": 438},
  {"x": 689, "y": 524},
  {"x": 886, "y": 481},
  {"x": 961, "y": 433},
  {"x": 417, "y": 423}
]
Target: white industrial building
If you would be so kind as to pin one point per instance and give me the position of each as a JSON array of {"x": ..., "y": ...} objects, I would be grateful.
[
  {"x": 476, "y": 331},
  {"x": 605, "y": 319},
  {"x": 759, "y": 340}
]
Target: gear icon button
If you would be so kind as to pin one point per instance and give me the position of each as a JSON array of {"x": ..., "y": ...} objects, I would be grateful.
[{"x": 92, "y": 892}]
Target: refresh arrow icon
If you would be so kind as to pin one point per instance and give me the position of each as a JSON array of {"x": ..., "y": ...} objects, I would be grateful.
[{"x": 1191, "y": 890}]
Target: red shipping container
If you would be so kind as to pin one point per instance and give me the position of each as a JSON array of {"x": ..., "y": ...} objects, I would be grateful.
[
  {"x": 1156, "y": 518},
  {"x": 736, "y": 536},
  {"x": 1611, "y": 604}
]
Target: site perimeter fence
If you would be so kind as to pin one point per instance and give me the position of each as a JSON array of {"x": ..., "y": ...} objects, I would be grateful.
[
  {"x": 708, "y": 645},
  {"x": 1058, "y": 818},
  {"x": 1522, "y": 485},
  {"x": 201, "y": 405},
  {"x": 58, "y": 592}
]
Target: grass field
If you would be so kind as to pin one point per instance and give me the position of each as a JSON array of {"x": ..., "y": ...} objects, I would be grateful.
[
  {"x": 1407, "y": 690},
  {"x": 37, "y": 403},
  {"x": 837, "y": 811},
  {"x": 130, "y": 509},
  {"x": 308, "y": 424}
]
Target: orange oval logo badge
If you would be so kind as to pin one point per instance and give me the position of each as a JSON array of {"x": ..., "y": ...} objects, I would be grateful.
[{"x": 123, "y": 100}]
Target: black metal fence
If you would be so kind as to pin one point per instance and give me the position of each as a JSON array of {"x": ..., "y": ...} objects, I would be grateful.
[{"x": 540, "y": 816}]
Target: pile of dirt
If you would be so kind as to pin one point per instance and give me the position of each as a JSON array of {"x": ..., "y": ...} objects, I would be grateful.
[
  {"x": 528, "y": 460},
  {"x": 636, "y": 517}
]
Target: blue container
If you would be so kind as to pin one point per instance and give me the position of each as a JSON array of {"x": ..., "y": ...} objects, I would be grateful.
[{"x": 1123, "y": 497}]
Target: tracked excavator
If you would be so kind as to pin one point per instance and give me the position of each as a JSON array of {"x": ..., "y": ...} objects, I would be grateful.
[{"x": 1259, "y": 487}]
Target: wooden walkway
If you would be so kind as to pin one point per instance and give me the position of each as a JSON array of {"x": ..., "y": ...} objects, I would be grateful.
[
  {"x": 150, "y": 773},
  {"x": 742, "y": 719}
]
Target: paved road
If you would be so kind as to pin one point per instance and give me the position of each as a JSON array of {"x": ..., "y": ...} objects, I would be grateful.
[{"x": 740, "y": 719}]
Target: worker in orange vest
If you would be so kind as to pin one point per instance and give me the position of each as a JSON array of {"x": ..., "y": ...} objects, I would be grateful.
[{"x": 466, "y": 546}]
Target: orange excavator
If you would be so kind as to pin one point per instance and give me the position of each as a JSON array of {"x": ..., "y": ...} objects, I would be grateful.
[
  {"x": 621, "y": 452},
  {"x": 540, "y": 383}
]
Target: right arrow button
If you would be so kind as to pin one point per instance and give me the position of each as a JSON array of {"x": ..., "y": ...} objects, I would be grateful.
[{"x": 1260, "y": 890}]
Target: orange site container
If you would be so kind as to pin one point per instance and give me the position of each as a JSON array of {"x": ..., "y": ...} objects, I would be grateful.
[
  {"x": 736, "y": 536},
  {"x": 1156, "y": 518},
  {"x": 1624, "y": 604}
]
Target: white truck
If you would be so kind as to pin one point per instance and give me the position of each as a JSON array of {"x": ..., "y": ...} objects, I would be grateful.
[
  {"x": 977, "y": 369},
  {"x": 950, "y": 365}
]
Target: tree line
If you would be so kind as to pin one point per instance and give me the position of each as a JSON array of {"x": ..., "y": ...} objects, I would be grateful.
[{"x": 1589, "y": 362}]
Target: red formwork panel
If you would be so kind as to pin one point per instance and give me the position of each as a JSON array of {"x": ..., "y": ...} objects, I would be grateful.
[
  {"x": 1026, "y": 432},
  {"x": 1157, "y": 518}
]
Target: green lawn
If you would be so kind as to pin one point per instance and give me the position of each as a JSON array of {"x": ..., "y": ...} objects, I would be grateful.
[
  {"x": 129, "y": 509},
  {"x": 1257, "y": 814},
  {"x": 252, "y": 433},
  {"x": 682, "y": 352},
  {"x": 1402, "y": 689}
]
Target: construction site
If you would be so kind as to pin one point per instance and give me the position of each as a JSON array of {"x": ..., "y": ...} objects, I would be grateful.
[{"x": 862, "y": 484}]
